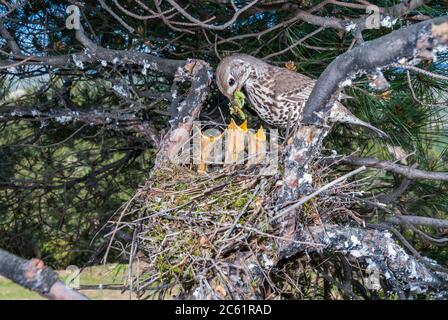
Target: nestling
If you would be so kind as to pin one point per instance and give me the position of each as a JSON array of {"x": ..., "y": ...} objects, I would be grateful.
[{"x": 278, "y": 95}]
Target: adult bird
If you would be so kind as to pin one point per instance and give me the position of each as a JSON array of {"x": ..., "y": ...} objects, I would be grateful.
[{"x": 278, "y": 95}]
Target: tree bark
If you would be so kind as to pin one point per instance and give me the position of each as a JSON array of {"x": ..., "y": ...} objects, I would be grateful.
[
  {"x": 35, "y": 276},
  {"x": 408, "y": 44}
]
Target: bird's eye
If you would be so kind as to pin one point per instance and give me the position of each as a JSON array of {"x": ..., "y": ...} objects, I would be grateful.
[{"x": 231, "y": 82}]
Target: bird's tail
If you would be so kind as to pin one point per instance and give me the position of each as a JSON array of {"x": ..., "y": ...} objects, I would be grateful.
[{"x": 339, "y": 113}]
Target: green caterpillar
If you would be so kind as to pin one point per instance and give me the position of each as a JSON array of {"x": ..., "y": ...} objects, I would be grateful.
[{"x": 239, "y": 99}]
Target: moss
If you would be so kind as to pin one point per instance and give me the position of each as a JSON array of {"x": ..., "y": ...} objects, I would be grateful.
[
  {"x": 182, "y": 199},
  {"x": 206, "y": 203},
  {"x": 181, "y": 186},
  {"x": 241, "y": 201}
]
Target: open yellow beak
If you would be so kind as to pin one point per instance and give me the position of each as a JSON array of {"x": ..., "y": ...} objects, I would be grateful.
[
  {"x": 242, "y": 127},
  {"x": 260, "y": 135}
]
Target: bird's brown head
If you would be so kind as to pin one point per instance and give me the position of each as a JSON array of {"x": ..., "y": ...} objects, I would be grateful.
[{"x": 232, "y": 73}]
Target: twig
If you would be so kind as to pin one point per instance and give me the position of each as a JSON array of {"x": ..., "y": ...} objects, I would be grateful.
[
  {"x": 419, "y": 70},
  {"x": 315, "y": 193},
  {"x": 209, "y": 26},
  {"x": 257, "y": 189},
  {"x": 407, "y": 171}
]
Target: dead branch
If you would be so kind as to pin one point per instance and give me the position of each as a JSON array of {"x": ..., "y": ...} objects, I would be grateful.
[
  {"x": 407, "y": 44},
  {"x": 185, "y": 111},
  {"x": 406, "y": 171},
  {"x": 419, "y": 221},
  {"x": 35, "y": 276},
  {"x": 411, "y": 43},
  {"x": 405, "y": 273}
]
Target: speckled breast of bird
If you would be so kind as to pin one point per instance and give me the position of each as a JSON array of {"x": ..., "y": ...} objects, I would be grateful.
[{"x": 272, "y": 109}]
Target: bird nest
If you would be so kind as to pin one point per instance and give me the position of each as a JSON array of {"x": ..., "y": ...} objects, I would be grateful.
[{"x": 187, "y": 226}]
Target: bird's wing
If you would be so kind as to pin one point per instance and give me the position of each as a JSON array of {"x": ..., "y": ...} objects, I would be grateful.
[{"x": 291, "y": 86}]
